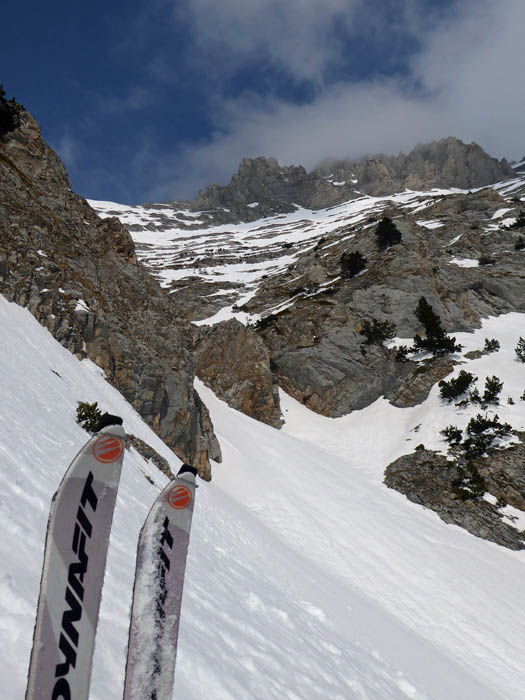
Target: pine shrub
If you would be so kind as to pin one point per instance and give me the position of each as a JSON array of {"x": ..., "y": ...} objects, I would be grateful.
[
  {"x": 455, "y": 387},
  {"x": 470, "y": 485},
  {"x": 519, "y": 243},
  {"x": 520, "y": 349},
  {"x": 486, "y": 260},
  {"x": 491, "y": 345},
  {"x": 88, "y": 415},
  {"x": 402, "y": 353},
  {"x": 482, "y": 432},
  {"x": 351, "y": 264},
  {"x": 452, "y": 434},
  {"x": 436, "y": 340},
  {"x": 377, "y": 331},
  {"x": 9, "y": 113},
  {"x": 387, "y": 233},
  {"x": 520, "y": 221},
  {"x": 493, "y": 387}
]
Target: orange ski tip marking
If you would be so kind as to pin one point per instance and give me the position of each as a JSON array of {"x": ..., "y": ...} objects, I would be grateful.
[
  {"x": 179, "y": 497},
  {"x": 107, "y": 449}
]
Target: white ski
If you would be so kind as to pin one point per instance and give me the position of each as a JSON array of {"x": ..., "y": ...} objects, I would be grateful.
[
  {"x": 157, "y": 593},
  {"x": 73, "y": 571}
]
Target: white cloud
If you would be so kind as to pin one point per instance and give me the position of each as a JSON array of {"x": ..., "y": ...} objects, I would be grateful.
[
  {"x": 296, "y": 36},
  {"x": 466, "y": 81}
]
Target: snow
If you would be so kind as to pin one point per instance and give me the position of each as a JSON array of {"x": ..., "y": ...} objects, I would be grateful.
[
  {"x": 464, "y": 262},
  {"x": 325, "y": 585},
  {"x": 501, "y": 212},
  {"x": 430, "y": 224},
  {"x": 81, "y": 306},
  {"x": 236, "y": 252}
]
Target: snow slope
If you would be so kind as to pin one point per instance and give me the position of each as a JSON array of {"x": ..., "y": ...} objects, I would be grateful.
[{"x": 307, "y": 578}]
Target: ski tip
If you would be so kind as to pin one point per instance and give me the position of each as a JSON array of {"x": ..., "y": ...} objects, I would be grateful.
[
  {"x": 106, "y": 420},
  {"x": 187, "y": 469}
]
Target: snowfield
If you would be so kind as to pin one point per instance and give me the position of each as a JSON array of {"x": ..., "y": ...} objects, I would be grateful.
[{"x": 307, "y": 578}]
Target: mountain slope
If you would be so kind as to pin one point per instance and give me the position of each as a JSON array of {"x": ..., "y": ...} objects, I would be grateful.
[
  {"x": 283, "y": 276},
  {"x": 80, "y": 277},
  {"x": 325, "y": 584}
]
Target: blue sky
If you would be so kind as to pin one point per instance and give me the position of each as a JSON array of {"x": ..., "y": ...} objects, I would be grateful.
[{"x": 152, "y": 101}]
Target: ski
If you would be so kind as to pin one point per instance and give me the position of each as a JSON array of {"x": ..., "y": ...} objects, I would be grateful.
[
  {"x": 157, "y": 593},
  {"x": 73, "y": 570}
]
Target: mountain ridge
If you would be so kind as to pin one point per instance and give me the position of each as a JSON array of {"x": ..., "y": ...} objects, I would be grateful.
[{"x": 262, "y": 187}]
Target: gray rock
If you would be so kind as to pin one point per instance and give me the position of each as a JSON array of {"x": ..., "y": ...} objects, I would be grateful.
[
  {"x": 445, "y": 163},
  {"x": 426, "y": 478},
  {"x": 233, "y": 361},
  {"x": 56, "y": 251}
]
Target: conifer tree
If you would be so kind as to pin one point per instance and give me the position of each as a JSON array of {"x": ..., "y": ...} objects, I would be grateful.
[
  {"x": 436, "y": 340},
  {"x": 387, "y": 233}
]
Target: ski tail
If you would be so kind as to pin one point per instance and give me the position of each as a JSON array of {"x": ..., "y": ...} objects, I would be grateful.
[
  {"x": 73, "y": 571},
  {"x": 157, "y": 593}
]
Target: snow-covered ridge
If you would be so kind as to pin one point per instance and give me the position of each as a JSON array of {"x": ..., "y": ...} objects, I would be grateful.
[
  {"x": 237, "y": 257},
  {"x": 326, "y": 585}
]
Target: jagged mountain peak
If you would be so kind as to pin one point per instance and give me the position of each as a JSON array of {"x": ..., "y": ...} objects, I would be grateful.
[{"x": 272, "y": 188}]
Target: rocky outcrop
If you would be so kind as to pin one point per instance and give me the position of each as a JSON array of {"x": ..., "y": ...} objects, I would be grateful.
[
  {"x": 262, "y": 187},
  {"x": 445, "y": 163},
  {"x": 78, "y": 274},
  {"x": 429, "y": 479},
  {"x": 315, "y": 344},
  {"x": 233, "y": 361}
]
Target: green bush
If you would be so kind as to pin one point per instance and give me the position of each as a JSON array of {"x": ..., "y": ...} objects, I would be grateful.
[
  {"x": 377, "y": 331},
  {"x": 9, "y": 113},
  {"x": 452, "y": 434},
  {"x": 491, "y": 345},
  {"x": 486, "y": 260},
  {"x": 351, "y": 264},
  {"x": 387, "y": 233},
  {"x": 520, "y": 221},
  {"x": 455, "y": 387},
  {"x": 264, "y": 322},
  {"x": 520, "y": 349},
  {"x": 470, "y": 484},
  {"x": 482, "y": 432},
  {"x": 88, "y": 415},
  {"x": 436, "y": 340},
  {"x": 493, "y": 387},
  {"x": 402, "y": 353}
]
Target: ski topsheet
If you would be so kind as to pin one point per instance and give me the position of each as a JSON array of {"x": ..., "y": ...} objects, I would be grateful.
[
  {"x": 157, "y": 594},
  {"x": 73, "y": 570}
]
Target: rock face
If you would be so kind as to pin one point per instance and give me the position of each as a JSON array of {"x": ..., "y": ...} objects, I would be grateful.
[
  {"x": 233, "y": 361},
  {"x": 427, "y": 478},
  {"x": 262, "y": 187},
  {"x": 78, "y": 274},
  {"x": 315, "y": 344},
  {"x": 445, "y": 163}
]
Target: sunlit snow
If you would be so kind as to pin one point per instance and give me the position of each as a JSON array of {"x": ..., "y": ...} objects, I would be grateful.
[{"x": 307, "y": 578}]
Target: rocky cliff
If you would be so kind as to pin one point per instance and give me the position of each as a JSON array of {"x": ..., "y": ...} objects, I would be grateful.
[
  {"x": 79, "y": 275},
  {"x": 429, "y": 479},
  {"x": 262, "y": 187}
]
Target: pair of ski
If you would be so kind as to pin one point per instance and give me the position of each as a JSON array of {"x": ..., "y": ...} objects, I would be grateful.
[{"x": 77, "y": 540}]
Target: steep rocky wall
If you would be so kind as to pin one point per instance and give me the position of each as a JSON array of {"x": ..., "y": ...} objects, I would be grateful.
[
  {"x": 232, "y": 360},
  {"x": 315, "y": 343},
  {"x": 78, "y": 274},
  {"x": 427, "y": 478}
]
